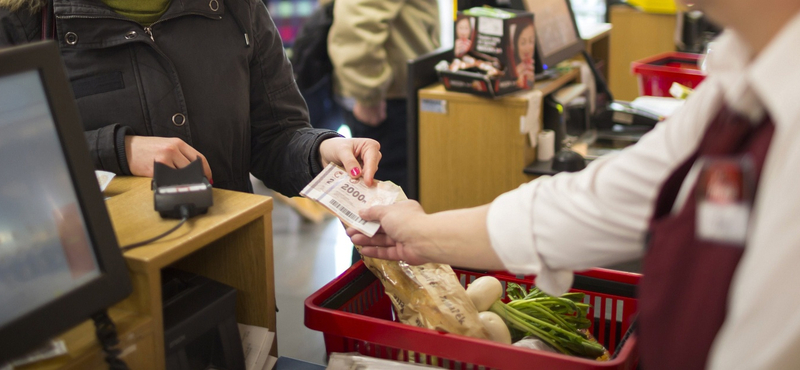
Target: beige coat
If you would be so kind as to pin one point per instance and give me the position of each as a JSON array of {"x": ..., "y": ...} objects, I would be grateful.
[{"x": 370, "y": 42}]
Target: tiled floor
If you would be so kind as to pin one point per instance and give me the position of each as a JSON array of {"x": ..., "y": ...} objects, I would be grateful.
[{"x": 307, "y": 256}]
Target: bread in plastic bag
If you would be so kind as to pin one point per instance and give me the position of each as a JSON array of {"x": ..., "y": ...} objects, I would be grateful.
[{"x": 428, "y": 296}]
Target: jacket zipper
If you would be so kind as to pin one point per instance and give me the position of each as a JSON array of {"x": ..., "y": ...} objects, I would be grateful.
[{"x": 148, "y": 30}]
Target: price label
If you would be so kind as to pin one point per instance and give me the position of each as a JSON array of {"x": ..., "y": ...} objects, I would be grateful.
[{"x": 346, "y": 196}]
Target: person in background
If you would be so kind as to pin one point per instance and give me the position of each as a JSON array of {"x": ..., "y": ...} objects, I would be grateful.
[
  {"x": 370, "y": 43},
  {"x": 719, "y": 277},
  {"x": 313, "y": 69},
  {"x": 174, "y": 81}
]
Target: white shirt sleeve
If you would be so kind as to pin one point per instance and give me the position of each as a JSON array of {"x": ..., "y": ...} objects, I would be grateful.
[{"x": 599, "y": 216}]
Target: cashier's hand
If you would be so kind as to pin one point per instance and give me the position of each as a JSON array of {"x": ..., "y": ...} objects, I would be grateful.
[
  {"x": 401, "y": 236},
  {"x": 143, "y": 151},
  {"x": 370, "y": 115},
  {"x": 358, "y": 156}
]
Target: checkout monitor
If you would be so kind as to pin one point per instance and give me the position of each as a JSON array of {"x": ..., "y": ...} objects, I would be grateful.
[
  {"x": 59, "y": 258},
  {"x": 557, "y": 37}
]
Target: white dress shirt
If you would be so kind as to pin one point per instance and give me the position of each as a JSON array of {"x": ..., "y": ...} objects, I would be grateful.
[{"x": 599, "y": 216}]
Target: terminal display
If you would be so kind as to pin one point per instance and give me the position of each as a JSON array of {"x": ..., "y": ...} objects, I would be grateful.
[
  {"x": 557, "y": 37},
  {"x": 554, "y": 25},
  {"x": 60, "y": 263},
  {"x": 45, "y": 250}
]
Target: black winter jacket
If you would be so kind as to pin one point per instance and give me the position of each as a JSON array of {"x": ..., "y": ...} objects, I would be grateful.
[{"x": 211, "y": 72}]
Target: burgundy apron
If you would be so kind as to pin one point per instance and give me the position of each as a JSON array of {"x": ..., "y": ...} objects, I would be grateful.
[{"x": 683, "y": 293}]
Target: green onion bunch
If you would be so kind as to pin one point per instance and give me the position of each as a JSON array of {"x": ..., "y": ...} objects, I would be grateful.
[{"x": 558, "y": 321}]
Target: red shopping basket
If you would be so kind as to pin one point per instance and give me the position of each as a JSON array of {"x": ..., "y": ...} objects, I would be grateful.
[
  {"x": 657, "y": 73},
  {"x": 355, "y": 315}
]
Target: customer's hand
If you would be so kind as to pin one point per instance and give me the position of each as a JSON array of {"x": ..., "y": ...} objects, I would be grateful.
[
  {"x": 142, "y": 151},
  {"x": 401, "y": 236},
  {"x": 352, "y": 154},
  {"x": 370, "y": 115}
]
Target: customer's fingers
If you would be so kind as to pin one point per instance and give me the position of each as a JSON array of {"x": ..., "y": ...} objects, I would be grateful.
[
  {"x": 370, "y": 153},
  {"x": 190, "y": 152}
]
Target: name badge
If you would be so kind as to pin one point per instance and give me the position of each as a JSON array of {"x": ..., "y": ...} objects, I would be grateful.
[{"x": 724, "y": 199}]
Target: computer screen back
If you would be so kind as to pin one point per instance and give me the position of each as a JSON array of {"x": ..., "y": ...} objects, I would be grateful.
[{"x": 557, "y": 37}]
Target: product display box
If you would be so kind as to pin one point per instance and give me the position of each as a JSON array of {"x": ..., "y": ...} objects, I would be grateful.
[{"x": 493, "y": 52}]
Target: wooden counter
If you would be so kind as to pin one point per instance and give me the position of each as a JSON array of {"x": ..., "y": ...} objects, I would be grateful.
[
  {"x": 636, "y": 35},
  {"x": 474, "y": 151},
  {"x": 231, "y": 244}
]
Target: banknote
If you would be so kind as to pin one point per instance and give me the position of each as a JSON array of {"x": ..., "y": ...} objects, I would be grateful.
[{"x": 346, "y": 196}]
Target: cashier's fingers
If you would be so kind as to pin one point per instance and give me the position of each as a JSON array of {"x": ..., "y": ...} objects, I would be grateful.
[
  {"x": 374, "y": 213},
  {"x": 378, "y": 240},
  {"x": 375, "y": 252},
  {"x": 392, "y": 215},
  {"x": 399, "y": 235}
]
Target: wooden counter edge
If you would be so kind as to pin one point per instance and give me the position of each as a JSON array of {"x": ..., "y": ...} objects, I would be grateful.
[{"x": 161, "y": 255}]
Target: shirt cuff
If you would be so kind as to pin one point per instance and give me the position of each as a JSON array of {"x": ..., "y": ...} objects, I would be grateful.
[
  {"x": 119, "y": 144},
  {"x": 510, "y": 225}
]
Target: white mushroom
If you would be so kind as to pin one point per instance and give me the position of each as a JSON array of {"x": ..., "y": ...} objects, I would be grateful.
[
  {"x": 498, "y": 331},
  {"x": 484, "y": 291}
]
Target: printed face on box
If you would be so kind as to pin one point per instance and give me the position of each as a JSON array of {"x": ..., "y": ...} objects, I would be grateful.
[
  {"x": 524, "y": 46},
  {"x": 463, "y": 29},
  {"x": 463, "y": 41}
]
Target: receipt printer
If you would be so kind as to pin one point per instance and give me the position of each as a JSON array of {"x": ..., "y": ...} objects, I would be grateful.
[{"x": 200, "y": 330}]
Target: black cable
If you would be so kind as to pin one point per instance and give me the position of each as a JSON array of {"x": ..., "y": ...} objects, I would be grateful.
[
  {"x": 184, "y": 215},
  {"x": 106, "y": 333}
]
